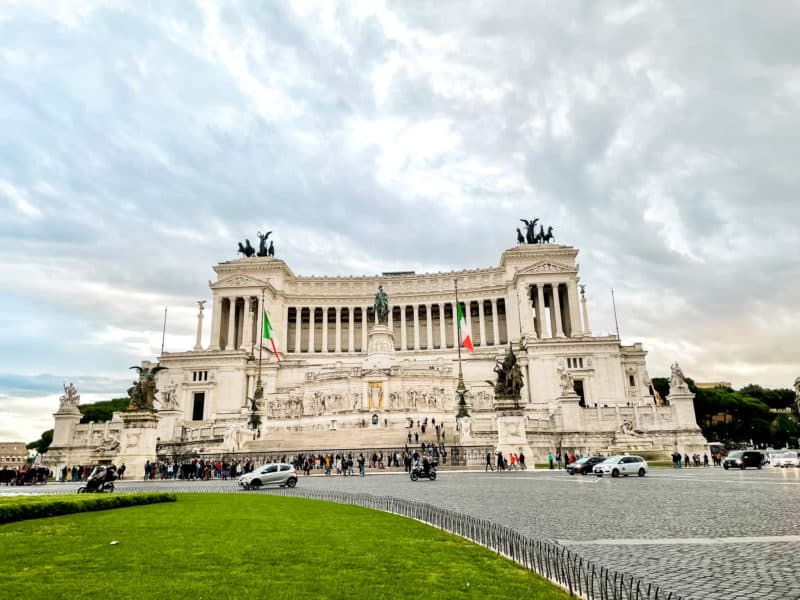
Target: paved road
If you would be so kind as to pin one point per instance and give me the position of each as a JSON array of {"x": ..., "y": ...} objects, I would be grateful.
[{"x": 702, "y": 533}]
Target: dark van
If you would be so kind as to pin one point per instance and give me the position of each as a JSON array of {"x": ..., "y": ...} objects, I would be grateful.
[{"x": 741, "y": 459}]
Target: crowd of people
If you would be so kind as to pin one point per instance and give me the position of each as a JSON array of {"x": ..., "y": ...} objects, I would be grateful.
[
  {"x": 513, "y": 462},
  {"x": 24, "y": 475}
]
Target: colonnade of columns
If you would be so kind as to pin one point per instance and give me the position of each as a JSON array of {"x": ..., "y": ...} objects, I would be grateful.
[
  {"x": 423, "y": 326},
  {"x": 546, "y": 310},
  {"x": 235, "y": 322},
  {"x": 550, "y": 310}
]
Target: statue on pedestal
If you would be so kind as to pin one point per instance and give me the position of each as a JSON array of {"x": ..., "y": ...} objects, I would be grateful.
[
  {"x": 677, "y": 380},
  {"x": 567, "y": 383},
  {"x": 143, "y": 392},
  {"x": 168, "y": 400},
  {"x": 509, "y": 376},
  {"x": 71, "y": 399},
  {"x": 381, "y": 305}
]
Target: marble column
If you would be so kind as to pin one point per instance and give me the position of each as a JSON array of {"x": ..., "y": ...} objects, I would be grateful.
[
  {"x": 586, "y": 329},
  {"x": 540, "y": 313},
  {"x": 298, "y": 328},
  {"x": 403, "y": 334},
  {"x": 351, "y": 330},
  {"x": 231, "y": 341},
  {"x": 247, "y": 328},
  {"x": 513, "y": 327},
  {"x": 198, "y": 342},
  {"x": 364, "y": 329},
  {"x": 442, "y": 328},
  {"x": 429, "y": 328},
  {"x": 216, "y": 322},
  {"x": 481, "y": 322},
  {"x": 574, "y": 316},
  {"x": 338, "y": 346},
  {"x": 527, "y": 325},
  {"x": 311, "y": 327},
  {"x": 416, "y": 326},
  {"x": 557, "y": 308},
  {"x": 324, "y": 328},
  {"x": 495, "y": 324}
]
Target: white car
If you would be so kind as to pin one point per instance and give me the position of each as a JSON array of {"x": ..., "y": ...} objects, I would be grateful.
[
  {"x": 282, "y": 474},
  {"x": 787, "y": 459},
  {"x": 622, "y": 464}
]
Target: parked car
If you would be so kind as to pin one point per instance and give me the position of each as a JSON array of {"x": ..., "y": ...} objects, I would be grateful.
[
  {"x": 584, "y": 465},
  {"x": 623, "y": 464},
  {"x": 742, "y": 459},
  {"x": 788, "y": 459},
  {"x": 282, "y": 474}
]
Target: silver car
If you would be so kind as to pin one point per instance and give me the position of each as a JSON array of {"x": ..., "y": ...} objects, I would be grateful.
[
  {"x": 622, "y": 464},
  {"x": 282, "y": 474}
]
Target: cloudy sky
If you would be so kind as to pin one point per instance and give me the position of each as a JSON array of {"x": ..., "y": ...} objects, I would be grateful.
[{"x": 140, "y": 142}]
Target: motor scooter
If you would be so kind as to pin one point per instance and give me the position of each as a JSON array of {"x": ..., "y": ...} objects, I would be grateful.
[
  {"x": 101, "y": 479},
  {"x": 418, "y": 471}
]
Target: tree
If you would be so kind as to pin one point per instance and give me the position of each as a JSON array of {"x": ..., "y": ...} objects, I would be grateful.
[
  {"x": 43, "y": 443},
  {"x": 103, "y": 411}
]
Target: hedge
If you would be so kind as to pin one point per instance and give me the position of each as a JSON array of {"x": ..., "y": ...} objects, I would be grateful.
[{"x": 21, "y": 509}]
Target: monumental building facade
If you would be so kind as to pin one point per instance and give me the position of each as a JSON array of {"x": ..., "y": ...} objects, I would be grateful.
[{"x": 343, "y": 382}]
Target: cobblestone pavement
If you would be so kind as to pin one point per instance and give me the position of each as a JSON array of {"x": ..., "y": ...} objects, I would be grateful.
[{"x": 702, "y": 533}]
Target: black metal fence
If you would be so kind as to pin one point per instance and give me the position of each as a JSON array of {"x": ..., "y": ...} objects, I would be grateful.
[{"x": 580, "y": 577}]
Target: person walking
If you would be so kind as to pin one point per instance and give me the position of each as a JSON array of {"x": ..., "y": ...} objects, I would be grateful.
[
  {"x": 550, "y": 460},
  {"x": 489, "y": 466},
  {"x": 521, "y": 459},
  {"x": 705, "y": 459},
  {"x": 361, "y": 461}
]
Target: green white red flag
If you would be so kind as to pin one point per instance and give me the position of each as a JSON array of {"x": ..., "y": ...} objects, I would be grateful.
[
  {"x": 268, "y": 336},
  {"x": 466, "y": 336}
]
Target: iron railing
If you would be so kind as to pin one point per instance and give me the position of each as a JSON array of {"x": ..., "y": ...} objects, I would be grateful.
[{"x": 579, "y": 576}]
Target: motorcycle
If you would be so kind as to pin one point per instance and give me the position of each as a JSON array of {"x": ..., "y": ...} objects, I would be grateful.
[
  {"x": 101, "y": 479},
  {"x": 418, "y": 471}
]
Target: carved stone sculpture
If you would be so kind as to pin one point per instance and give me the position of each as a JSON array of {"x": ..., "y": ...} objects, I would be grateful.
[
  {"x": 567, "y": 383},
  {"x": 677, "y": 380},
  {"x": 71, "y": 399},
  {"x": 143, "y": 392}
]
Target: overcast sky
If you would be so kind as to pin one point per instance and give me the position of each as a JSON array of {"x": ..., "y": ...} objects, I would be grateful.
[{"x": 139, "y": 142}]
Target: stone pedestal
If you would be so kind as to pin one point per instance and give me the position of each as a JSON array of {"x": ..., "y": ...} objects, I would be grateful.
[
  {"x": 511, "y": 436},
  {"x": 137, "y": 443},
  {"x": 688, "y": 436},
  {"x": 380, "y": 347},
  {"x": 168, "y": 421},
  {"x": 570, "y": 412}
]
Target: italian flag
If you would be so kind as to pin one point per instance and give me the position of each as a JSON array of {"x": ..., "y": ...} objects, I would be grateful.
[
  {"x": 466, "y": 339},
  {"x": 268, "y": 336}
]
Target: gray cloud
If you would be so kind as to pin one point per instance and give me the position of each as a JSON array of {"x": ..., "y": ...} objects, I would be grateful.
[{"x": 138, "y": 146}]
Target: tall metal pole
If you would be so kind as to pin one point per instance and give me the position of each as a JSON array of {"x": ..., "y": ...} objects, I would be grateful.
[
  {"x": 461, "y": 389},
  {"x": 614, "y": 305},
  {"x": 260, "y": 338},
  {"x": 164, "y": 330}
]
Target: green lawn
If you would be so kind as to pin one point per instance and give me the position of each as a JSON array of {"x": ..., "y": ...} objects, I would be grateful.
[{"x": 251, "y": 546}]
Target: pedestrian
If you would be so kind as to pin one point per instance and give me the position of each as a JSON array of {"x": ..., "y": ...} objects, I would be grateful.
[
  {"x": 501, "y": 462},
  {"x": 705, "y": 459},
  {"x": 489, "y": 466},
  {"x": 558, "y": 459},
  {"x": 686, "y": 459},
  {"x": 550, "y": 460},
  {"x": 522, "y": 461},
  {"x": 361, "y": 461}
]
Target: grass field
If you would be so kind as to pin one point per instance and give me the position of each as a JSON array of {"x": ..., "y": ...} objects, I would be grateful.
[{"x": 251, "y": 546}]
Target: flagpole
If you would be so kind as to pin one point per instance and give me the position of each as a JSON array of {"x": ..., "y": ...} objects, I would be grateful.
[
  {"x": 164, "y": 330},
  {"x": 255, "y": 418},
  {"x": 461, "y": 389}
]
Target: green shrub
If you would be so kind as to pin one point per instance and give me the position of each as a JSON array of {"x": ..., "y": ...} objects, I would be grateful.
[{"x": 37, "y": 507}]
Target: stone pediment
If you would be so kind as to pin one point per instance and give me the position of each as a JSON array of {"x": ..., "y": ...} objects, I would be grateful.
[
  {"x": 238, "y": 281},
  {"x": 546, "y": 267}
]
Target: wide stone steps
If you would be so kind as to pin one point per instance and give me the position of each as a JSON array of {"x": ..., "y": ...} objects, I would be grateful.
[{"x": 376, "y": 437}]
